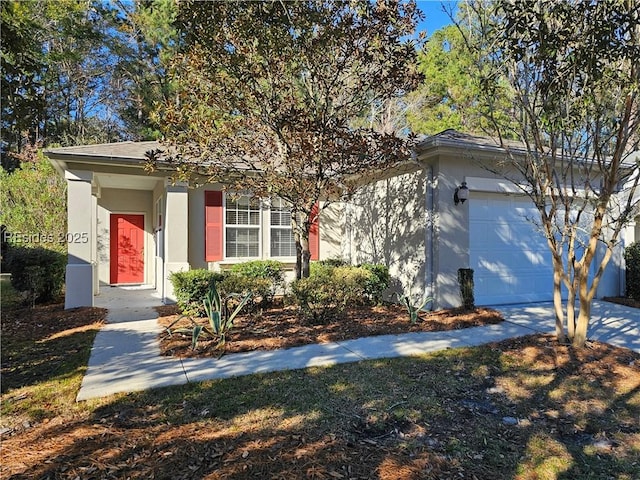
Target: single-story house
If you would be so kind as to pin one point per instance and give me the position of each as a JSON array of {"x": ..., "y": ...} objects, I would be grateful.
[{"x": 130, "y": 227}]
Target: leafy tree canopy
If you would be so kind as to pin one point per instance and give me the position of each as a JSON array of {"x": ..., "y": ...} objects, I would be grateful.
[
  {"x": 82, "y": 71},
  {"x": 271, "y": 96},
  {"x": 34, "y": 206},
  {"x": 573, "y": 72},
  {"x": 449, "y": 93}
]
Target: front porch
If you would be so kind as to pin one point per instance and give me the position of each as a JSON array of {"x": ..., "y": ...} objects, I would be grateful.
[
  {"x": 125, "y": 230},
  {"x": 133, "y": 297},
  {"x": 121, "y": 220}
]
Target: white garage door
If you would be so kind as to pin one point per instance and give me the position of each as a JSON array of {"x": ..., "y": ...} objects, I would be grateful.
[{"x": 508, "y": 254}]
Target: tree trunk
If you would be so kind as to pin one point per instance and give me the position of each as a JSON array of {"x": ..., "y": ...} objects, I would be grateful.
[
  {"x": 585, "y": 293},
  {"x": 580, "y": 337},
  {"x": 301, "y": 226},
  {"x": 571, "y": 307},
  {"x": 298, "y": 258},
  {"x": 557, "y": 302},
  {"x": 306, "y": 257},
  {"x": 306, "y": 250},
  {"x": 296, "y": 237}
]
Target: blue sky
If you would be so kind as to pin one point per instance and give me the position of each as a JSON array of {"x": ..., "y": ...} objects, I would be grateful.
[{"x": 435, "y": 18}]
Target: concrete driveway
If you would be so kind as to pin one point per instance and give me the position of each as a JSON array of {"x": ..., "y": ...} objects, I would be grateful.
[{"x": 611, "y": 323}]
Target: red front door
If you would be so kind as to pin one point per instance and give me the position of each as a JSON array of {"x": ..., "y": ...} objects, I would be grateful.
[{"x": 127, "y": 248}]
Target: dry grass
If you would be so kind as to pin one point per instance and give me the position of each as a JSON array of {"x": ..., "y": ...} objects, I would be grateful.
[{"x": 438, "y": 416}]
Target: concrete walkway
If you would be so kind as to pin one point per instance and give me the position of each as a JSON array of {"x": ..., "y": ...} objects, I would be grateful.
[{"x": 126, "y": 352}]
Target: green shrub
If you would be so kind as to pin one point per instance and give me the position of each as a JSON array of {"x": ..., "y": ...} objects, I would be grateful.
[
  {"x": 333, "y": 262},
  {"x": 254, "y": 273},
  {"x": 35, "y": 203},
  {"x": 191, "y": 288},
  {"x": 320, "y": 268},
  {"x": 330, "y": 290},
  {"x": 632, "y": 260},
  {"x": 261, "y": 289},
  {"x": 271, "y": 269},
  {"x": 351, "y": 283},
  {"x": 37, "y": 272},
  {"x": 378, "y": 282},
  {"x": 373, "y": 289}
]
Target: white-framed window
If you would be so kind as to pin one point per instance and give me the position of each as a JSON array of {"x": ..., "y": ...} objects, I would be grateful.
[
  {"x": 281, "y": 240},
  {"x": 242, "y": 226}
]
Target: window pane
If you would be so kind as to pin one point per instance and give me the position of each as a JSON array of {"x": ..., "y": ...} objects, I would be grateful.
[
  {"x": 242, "y": 211},
  {"x": 243, "y": 218},
  {"x": 242, "y": 242},
  {"x": 282, "y": 243},
  {"x": 280, "y": 212},
  {"x": 280, "y": 218}
]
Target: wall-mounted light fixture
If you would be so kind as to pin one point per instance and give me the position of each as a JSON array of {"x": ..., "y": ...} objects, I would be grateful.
[{"x": 461, "y": 194}]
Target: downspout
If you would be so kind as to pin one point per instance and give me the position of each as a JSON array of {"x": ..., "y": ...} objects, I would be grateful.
[{"x": 430, "y": 290}]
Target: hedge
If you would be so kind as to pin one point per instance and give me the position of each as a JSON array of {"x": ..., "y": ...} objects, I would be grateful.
[
  {"x": 191, "y": 287},
  {"x": 37, "y": 272}
]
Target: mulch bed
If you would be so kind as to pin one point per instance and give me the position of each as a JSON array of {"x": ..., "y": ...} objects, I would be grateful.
[{"x": 284, "y": 327}]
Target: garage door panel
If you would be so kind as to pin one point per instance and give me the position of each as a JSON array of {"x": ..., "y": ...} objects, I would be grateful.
[
  {"x": 492, "y": 266},
  {"x": 493, "y": 235},
  {"x": 497, "y": 289},
  {"x": 537, "y": 258},
  {"x": 509, "y": 255}
]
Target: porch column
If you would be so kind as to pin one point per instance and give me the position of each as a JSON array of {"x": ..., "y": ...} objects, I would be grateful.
[
  {"x": 80, "y": 240},
  {"x": 176, "y": 231},
  {"x": 95, "y": 195}
]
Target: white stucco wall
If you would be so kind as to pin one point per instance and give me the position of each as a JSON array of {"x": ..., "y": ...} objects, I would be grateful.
[
  {"x": 386, "y": 223},
  {"x": 80, "y": 273},
  {"x": 332, "y": 228},
  {"x": 451, "y": 238}
]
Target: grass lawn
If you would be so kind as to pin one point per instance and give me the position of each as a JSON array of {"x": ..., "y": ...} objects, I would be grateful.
[{"x": 522, "y": 409}]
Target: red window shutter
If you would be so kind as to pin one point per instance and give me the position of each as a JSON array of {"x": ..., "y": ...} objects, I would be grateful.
[
  {"x": 314, "y": 234},
  {"x": 213, "y": 226}
]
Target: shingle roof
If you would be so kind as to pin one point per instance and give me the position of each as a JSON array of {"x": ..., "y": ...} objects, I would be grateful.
[
  {"x": 121, "y": 150},
  {"x": 454, "y": 138}
]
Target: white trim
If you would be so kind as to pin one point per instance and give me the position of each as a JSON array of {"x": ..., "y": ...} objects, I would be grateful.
[
  {"x": 79, "y": 175},
  {"x": 493, "y": 185}
]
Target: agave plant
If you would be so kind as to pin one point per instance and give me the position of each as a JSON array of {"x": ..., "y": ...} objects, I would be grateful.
[
  {"x": 412, "y": 309},
  {"x": 219, "y": 315}
]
